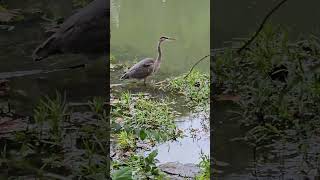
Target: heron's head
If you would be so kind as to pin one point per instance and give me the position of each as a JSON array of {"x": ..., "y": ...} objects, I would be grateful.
[{"x": 164, "y": 38}]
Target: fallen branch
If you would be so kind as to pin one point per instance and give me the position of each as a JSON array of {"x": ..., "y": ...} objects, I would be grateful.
[
  {"x": 261, "y": 26},
  {"x": 196, "y": 64}
]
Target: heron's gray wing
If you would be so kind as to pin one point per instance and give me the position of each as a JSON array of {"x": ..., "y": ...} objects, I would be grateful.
[
  {"x": 142, "y": 69},
  {"x": 147, "y": 64}
]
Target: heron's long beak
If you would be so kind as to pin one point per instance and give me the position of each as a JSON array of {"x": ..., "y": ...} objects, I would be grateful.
[{"x": 171, "y": 39}]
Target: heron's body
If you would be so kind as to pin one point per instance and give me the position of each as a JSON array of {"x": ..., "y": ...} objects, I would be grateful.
[
  {"x": 145, "y": 67},
  {"x": 84, "y": 32},
  {"x": 141, "y": 70}
]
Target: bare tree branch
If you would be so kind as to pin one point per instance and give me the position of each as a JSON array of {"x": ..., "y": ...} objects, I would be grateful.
[
  {"x": 196, "y": 64},
  {"x": 261, "y": 25}
]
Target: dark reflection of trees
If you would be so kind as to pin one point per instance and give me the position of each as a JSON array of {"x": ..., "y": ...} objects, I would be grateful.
[
  {"x": 28, "y": 32},
  {"x": 34, "y": 135}
]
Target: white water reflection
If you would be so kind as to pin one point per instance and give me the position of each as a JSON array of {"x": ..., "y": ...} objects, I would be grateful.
[{"x": 189, "y": 148}]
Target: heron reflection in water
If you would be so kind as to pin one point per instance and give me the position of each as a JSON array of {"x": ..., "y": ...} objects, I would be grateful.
[{"x": 85, "y": 32}]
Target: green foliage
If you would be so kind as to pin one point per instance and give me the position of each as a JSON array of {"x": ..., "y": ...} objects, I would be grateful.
[
  {"x": 124, "y": 173},
  {"x": 139, "y": 167},
  {"x": 205, "y": 168},
  {"x": 145, "y": 167},
  {"x": 53, "y": 111},
  {"x": 97, "y": 105},
  {"x": 141, "y": 118},
  {"x": 126, "y": 140},
  {"x": 278, "y": 82},
  {"x": 95, "y": 165},
  {"x": 195, "y": 87},
  {"x": 144, "y": 117},
  {"x": 49, "y": 145}
]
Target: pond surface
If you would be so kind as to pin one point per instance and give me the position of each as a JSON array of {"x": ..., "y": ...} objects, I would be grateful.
[
  {"x": 188, "y": 149},
  {"x": 30, "y": 80}
]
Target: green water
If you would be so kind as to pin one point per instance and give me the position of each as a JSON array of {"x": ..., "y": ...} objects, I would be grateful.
[{"x": 136, "y": 27}]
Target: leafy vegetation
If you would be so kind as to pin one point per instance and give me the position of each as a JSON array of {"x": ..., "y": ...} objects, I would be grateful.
[
  {"x": 195, "y": 87},
  {"x": 205, "y": 168},
  {"x": 138, "y": 167},
  {"x": 126, "y": 140},
  {"x": 277, "y": 81},
  {"x": 140, "y": 118},
  {"x": 140, "y": 121},
  {"x": 53, "y": 111},
  {"x": 145, "y": 118},
  {"x": 54, "y": 140}
]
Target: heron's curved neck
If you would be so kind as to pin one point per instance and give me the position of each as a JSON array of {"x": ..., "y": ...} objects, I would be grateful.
[{"x": 159, "y": 52}]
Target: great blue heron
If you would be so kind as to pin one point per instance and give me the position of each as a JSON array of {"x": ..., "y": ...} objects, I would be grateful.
[
  {"x": 147, "y": 66},
  {"x": 84, "y": 32}
]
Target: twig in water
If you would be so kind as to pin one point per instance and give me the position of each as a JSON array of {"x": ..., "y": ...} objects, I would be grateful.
[
  {"x": 196, "y": 64},
  {"x": 261, "y": 25}
]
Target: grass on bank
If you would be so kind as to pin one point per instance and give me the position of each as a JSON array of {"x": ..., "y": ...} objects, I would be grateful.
[
  {"x": 195, "y": 88},
  {"x": 144, "y": 118},
  {"x": 140, "y": 118},
  {"x": 204, "y": 168},
  {"x": 54, "y": 145}
]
